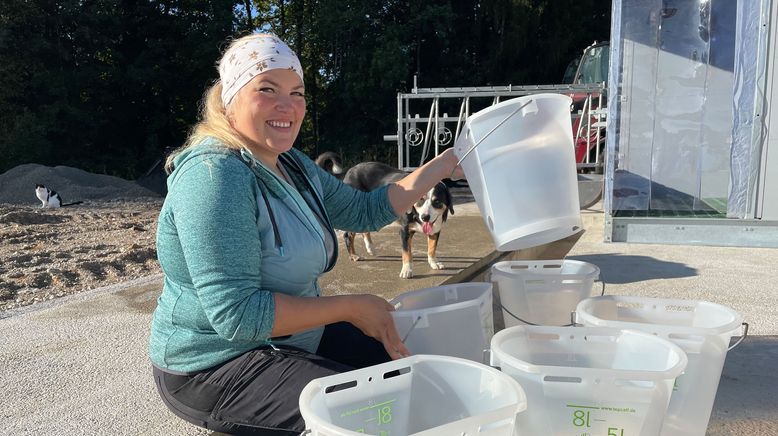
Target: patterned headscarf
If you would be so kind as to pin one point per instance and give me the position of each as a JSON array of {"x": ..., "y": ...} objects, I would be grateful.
[{"x": 252, "y": 56}]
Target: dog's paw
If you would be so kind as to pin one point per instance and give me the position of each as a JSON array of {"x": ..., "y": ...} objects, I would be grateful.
[
  {"x": 434, "y": 264},
  {"x": 354, "y": 257},
  {"x": 407, "y": 271}
]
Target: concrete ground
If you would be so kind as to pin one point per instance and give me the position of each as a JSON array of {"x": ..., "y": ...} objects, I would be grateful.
[{"x": 79, "y": 366}]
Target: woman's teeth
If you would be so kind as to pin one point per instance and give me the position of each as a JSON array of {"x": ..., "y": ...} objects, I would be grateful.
[{"x": 280, "y": 123}]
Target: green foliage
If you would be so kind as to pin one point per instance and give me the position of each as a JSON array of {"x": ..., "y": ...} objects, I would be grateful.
[
  {"x": 107, "y": 85},
  {"x": 359, "y": 54}
]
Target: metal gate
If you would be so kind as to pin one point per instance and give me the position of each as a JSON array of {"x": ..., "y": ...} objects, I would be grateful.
[{"x": 420, "y": 138}]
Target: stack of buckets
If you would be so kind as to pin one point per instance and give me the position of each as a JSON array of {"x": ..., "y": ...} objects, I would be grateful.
[{"x": 631, "y": 366}]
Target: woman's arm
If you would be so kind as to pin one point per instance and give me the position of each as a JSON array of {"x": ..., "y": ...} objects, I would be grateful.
[
  {"x": 369, "y": 313},
  {"x": 403, "y": 194},
  {"x": 213, "y": 204},
  {"x": 214, "y": 210}
]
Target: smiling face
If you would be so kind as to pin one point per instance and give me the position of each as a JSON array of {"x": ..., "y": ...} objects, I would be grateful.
[{"x": 268, "y": 111}]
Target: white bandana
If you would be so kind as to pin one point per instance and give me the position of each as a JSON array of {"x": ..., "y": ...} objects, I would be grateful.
[{"x": 251, "y": 57}]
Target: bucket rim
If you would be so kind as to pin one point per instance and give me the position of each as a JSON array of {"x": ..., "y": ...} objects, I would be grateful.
[
  {"x": 487, "y": 287},
  {"x": 516, "y": 101},
  {"x": 499, "y": 269},
  {"x": 603, "y": 373},
  {"x": 316, "y": 386},
  {"x": 584, "y": 315}
]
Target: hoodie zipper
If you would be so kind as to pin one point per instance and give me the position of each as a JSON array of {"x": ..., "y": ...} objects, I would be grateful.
[
  {"x": 297, "y": 166},
  {"x": 249, "y": 160},
  {"x": 276, "y": 233}
]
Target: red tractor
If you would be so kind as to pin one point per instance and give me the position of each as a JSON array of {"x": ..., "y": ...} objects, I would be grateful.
[{"x": 590, "y": 107}]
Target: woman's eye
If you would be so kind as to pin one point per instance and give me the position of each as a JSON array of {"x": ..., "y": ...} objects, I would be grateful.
[
  {"x": 266, "y": 89},
  {"x": 298, "y": 94}
]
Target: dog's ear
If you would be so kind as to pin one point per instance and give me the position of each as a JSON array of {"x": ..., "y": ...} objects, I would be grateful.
[{"x": 449, "y": 208}]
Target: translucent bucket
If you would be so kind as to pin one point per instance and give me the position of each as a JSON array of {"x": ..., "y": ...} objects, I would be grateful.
[
  {"x": 418, "y": 395},
  {"x": 701, "y": 329},
  {"x": 542, "y": 292},
  {"x": 450, "y": 320},
  {"x": 522, "y": 170},
  {"x": 589, "y": 380}
]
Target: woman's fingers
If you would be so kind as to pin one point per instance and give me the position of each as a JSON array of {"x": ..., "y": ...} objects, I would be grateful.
[
  {"x": 375, "y": 320},
  {"x": 456, "y": 172},
  {"x": 395, "y": 343},
  {"x": 391, "y": 339}
]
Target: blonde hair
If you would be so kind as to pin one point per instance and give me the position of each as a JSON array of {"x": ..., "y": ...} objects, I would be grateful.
[
  {"x": 214, "y": 117},
  {"x": 214, "y": 122}
]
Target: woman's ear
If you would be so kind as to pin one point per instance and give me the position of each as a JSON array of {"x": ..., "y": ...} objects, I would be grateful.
[{"x": 229, "y": 111}]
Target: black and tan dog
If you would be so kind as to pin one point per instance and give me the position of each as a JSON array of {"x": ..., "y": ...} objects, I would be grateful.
[{"x": 426, "y": 216}]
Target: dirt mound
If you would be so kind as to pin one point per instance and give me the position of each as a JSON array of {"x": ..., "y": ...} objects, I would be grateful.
[{"x": 17, "y": 185}]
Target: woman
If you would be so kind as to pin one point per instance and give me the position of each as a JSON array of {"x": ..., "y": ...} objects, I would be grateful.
[{"x": 245, "y": 231}]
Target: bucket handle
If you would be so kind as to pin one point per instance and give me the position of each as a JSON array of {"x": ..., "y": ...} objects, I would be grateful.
[
  {"x": 742, "y": 337},
  {"x": 305, "y": 432},
  {"x": 493, "y": 129},
  {"x": 573, "y": 316},
  {"x": 418, "y": 318},
  {"x": 603, "y": 286}
]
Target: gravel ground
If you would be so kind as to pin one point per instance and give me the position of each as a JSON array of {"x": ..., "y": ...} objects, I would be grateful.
[{"x": 50, "y": 253}]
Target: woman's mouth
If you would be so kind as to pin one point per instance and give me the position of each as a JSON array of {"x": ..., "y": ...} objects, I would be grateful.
[{"x": 280, "y": 124}]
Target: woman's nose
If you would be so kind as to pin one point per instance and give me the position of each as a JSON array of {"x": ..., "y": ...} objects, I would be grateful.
[{"x": 284, "y": 103}]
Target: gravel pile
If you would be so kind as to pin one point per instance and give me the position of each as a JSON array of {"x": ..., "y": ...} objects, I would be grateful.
[{"x": 17, "y": 185}]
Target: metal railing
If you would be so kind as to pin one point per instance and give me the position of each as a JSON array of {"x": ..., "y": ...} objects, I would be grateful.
[{"x": 422, "y": 138}]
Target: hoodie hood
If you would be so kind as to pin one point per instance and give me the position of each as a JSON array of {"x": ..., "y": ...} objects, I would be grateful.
[{"x": 210, "y": 148}]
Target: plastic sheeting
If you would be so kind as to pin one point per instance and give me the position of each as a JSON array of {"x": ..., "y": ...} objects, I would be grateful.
[
  {"x": 671, "y": 94},
  {"x": 748, "y": 127}
]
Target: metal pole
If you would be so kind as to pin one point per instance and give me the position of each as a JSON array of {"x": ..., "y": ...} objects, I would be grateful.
[
  {"x": 427, "y": 133},
  {"x": 437, "y": 126},
  {"x": 407, "y": 157},
  {"x": 599, "y": 128},
  {"x": 588, "y": 128},
  {"x": 459, "y": 118},
  {"x": 400, "y": 156}
]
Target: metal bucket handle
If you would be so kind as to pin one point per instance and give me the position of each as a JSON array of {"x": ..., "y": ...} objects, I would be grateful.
[
  {"x": 573, "y": 317},
  {"x": 742, "y": 337},
  {"x": 413, "y": 326},
  {"x": 492, "y": 131}
]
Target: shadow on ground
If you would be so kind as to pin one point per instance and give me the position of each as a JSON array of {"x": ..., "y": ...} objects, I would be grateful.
[
  {"x": 620, "y": 268},
  {"x": 748, "y": 369}
]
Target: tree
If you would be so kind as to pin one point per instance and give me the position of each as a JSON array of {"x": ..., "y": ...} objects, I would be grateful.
[{"x": 104, "y": 86}]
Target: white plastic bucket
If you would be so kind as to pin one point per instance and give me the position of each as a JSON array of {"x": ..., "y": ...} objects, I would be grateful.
[
  {"x": 589, "y": 380},
  {"x": 702, "y": 329},
  {"x": 450, "y": 320},
  {"x": 542, "y": 292},
  {"x": 418, "y": 395},
  {"x": 522, "y": 170}
]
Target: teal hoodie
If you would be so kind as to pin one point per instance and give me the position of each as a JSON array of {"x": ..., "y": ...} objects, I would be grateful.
[{"x": 230, "y": 234}]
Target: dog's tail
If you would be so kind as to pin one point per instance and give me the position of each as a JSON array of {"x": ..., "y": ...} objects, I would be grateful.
[{"x": 70, "y": 204}]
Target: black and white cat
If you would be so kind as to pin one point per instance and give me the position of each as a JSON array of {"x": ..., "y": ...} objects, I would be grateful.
[{"x": 50, "y": 198}]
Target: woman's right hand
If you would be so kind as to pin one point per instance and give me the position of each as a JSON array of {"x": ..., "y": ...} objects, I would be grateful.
[{"x": 371, "y": 314}]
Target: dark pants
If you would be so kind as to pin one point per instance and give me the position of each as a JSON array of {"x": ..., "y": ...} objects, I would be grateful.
[{"x": 257, "y": 393}]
